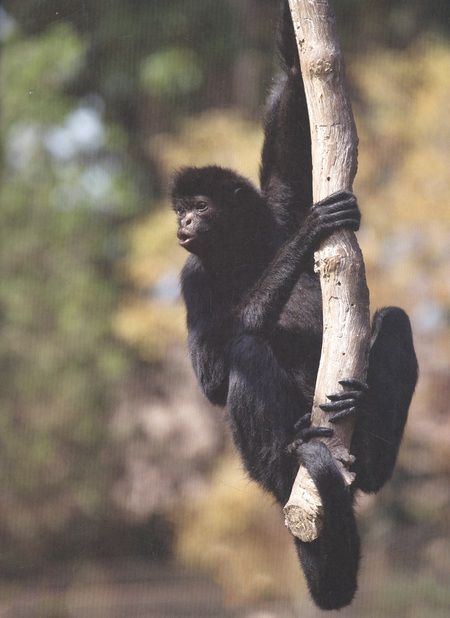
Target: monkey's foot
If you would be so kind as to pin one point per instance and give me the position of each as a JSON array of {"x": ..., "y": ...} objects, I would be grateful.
[
  {"x": 348, "y": 403},
  {"x": 304, "y": 432}
]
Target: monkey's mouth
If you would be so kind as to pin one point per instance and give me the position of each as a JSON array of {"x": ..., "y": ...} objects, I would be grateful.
[{"x": 185, "y": 239}]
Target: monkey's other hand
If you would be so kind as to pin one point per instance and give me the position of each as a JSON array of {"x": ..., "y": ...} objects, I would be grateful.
[
  {"x": 304, "y": 432},
  {"x": 348, "y": 403},
  {"x": 338, "y": 211}
]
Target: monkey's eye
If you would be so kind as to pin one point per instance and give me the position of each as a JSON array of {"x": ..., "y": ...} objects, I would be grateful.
[
  {"x": 201, "y": 205},
  {"x": 179, "y": 211}
]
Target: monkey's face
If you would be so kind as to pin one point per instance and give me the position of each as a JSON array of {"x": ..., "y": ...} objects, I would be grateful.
[
  {"x": 198, "y": 222},
  {"x": 217, "y": 211}
]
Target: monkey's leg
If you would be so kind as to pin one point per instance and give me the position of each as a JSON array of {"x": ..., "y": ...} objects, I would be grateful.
[
  {"x": 263, "y": 404},
  {"x": 330, "y": 562},
  {"x": 392, "y": 377}
]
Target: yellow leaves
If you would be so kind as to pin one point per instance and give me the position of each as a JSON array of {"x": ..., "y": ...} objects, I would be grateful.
[
  {"x": 147, "y": 320},
  {"x": 150, "y": 327},
  {"x": 220, "y": 137},
  {"x": 248, "y": 550},
  {"x": 404, "y": 130},
  {"x": 403, "y": 179},
  {"x": 154, "y": 248}
]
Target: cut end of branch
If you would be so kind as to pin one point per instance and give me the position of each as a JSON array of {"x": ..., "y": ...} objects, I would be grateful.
[
  {"x": 303, "y": 512},
  {"x": 304, "y": 524}
]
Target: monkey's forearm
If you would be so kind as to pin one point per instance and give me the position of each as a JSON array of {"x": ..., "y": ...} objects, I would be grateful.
[{"x": 271, "y": 292}]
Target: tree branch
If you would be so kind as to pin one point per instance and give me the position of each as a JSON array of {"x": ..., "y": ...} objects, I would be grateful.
[{"x": 345, "y": 297}]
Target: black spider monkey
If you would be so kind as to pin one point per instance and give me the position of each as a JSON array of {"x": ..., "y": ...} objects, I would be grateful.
[{"x": 255, "y": 328}]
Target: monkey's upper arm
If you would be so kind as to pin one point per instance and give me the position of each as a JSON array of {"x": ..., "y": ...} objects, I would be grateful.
[{"x": 209, "y": 335}]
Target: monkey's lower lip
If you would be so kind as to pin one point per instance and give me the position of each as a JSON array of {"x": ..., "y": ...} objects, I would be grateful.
[{"x": 184, "y": 240}]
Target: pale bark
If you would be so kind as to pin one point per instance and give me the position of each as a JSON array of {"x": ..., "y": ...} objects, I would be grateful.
[{"x": 345, "y": 297}]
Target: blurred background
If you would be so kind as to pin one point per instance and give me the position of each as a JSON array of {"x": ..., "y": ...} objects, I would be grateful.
[{"x": 121, "y": 495}]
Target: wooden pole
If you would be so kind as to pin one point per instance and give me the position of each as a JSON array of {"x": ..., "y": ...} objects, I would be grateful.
[{"x": 339, "y": 262}]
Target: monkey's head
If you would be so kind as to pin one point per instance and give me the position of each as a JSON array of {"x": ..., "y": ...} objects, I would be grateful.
[{"x": 215, "y": 209}]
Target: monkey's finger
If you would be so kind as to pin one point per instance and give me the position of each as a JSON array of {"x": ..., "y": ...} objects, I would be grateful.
[
  {"x": 330, "y": 225},
  {"x": 348, "y": 224},
  {"x": 303, "y": 422},
  {"x": 332, "y": 213},
  {"x": 333, "y": 197},
  {"x": 346, "y": 395},
  {"x": 343, "y": 414},
  {"x": 317, "y": 432},
  {"x": 354, "y": 215},
  {"x": 325, "y": 209},
  {"x": 334, "y": 406},
  {"x": 352, "y": 383}
]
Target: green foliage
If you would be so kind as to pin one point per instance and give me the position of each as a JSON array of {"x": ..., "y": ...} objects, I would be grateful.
[
  {"x": 33, "y": 70},
  {"x": 59, "y": 361},
  {"x": 138, "y": 55},
  {"x": 170, "y": 73}
]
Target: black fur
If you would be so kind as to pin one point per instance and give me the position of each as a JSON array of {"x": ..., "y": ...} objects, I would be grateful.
[{"x": 255, "y": 329}]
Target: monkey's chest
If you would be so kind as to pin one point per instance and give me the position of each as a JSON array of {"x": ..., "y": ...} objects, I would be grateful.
[
  {"x": 301, "y": 316},
  {"x": 297, "y": 340}
]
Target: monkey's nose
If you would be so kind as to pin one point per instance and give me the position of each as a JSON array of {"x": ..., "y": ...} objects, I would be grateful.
[{"x": 187, "y": 220}]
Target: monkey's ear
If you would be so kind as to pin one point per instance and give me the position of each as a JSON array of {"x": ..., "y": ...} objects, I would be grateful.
[
  {"x": 239, "y": 196},
  {"x": 244, "y": 194}
]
